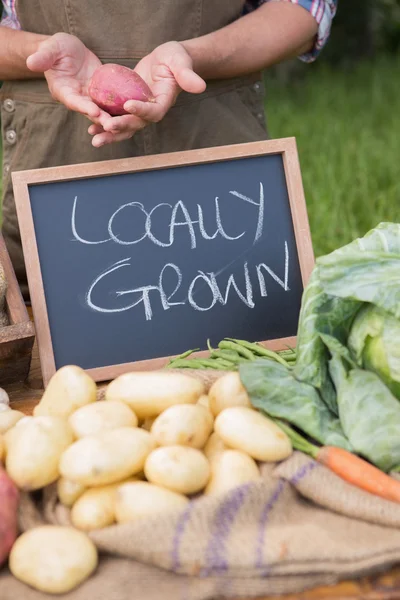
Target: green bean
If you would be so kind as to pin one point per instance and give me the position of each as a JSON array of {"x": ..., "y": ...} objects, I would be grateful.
[
  {"x": 183, "y": 355},
  {"x": 229, "y": 355},
  {"x": 261, "y": 351},
  {"x": 232, "y": 345}
]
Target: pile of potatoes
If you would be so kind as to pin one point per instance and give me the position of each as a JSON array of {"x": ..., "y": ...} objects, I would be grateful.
[{"x": 155, "y": 442}]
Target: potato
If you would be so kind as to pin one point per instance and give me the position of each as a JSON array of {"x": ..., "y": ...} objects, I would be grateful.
[
  {"x": 53, "y": 559},
  {"x": 150, "y": 393},
  {"x": 112, "y": 85},
  {"x": 95, "y": 508},
  {"x": 142, "y": 500},
  {"x": 184, "y": 425},
  {"x": 34, "y": 448},
  {"x": 4, "y": 399},
  {"x": 233, "y": 468},
  {"x": 69, "y": 491},
  {"x": 214, "y": 447},
  {"x": 68, "y": 389},
  {"x": 9, "y": 500},
  {"x": 107, "y": 457},
  {"x": 246, "y": 429},
  {"x": 227, "y": 391},
  {"x": 204, "y": 401},
  {"x": 178, "y": 468},
  {"x": 8, "y": 418},
  {"x": 101, "y": 416}
]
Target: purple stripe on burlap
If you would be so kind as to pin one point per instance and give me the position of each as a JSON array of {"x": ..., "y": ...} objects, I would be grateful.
[
  {"x": 264, "y": 520},
  {"x": 267, "y": 510},
  {"x": 215, "y": 556},
  {"x": 177, "y": 539}
]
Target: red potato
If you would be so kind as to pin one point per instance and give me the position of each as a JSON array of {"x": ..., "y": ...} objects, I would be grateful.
[
  {"x": 9, "y": 499},
  {"x": 112, "y": 85}
]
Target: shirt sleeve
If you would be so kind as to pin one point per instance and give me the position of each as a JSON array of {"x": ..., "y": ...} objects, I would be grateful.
[
  {"x": 9, "y": 16},
  {"x": 322, "y": 10}
]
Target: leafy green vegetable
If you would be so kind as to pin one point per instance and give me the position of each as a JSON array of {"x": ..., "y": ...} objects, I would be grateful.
[
  {"x": 367, "y": 270},
  {"x": 369, "y": 414},
  {"x": 274, "y": 389},
  {"x": 375, "y": 341}
]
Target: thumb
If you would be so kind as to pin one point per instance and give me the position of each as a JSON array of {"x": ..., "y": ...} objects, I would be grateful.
[
  {"x": 182, "y": 69},
  {"x": 45, "y": 57}
]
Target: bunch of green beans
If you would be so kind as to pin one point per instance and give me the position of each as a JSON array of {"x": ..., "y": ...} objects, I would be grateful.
[{"x": 230, "y": 354}]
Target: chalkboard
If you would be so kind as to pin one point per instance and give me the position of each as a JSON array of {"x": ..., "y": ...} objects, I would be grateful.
[{"x": 132, "y": 261}]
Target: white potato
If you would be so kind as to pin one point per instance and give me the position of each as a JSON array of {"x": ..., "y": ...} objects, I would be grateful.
[
  {"x": 8, "y": 418},
  {"x": 95, "y": 508},
  {"x": 183, "y": 425},
  {"x": 53, "y": 559},
  {"x": 246, "y": 429},
  {"x": 101, "y": 416},
  {"x": 69, "y": 388},
  {"x": 233, "y": 468},
  {"x": 34, "y": 448},
  {"x": 107, "y": 457},
  {"x": 143, "y": 500},
  {"x": 214, "y": 447},
  {"x": 69, "y": 491},
  {"x": 227, "y": 391},
  {"x": 149, "y": 393},
  {"x": 178, "y": 468},
  {"x": 4, "y": 399},
  {"x": 204, "y": 401}
]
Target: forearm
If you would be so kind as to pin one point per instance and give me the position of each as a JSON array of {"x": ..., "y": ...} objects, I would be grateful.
[
  {"x": 272, "y": 33},
  {"x": 15, "y": 47}
]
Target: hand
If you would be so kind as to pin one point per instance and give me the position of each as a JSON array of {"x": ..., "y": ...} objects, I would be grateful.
[
  {"x": 167, "y": 71},
  {"x": 68, "y": 67}
]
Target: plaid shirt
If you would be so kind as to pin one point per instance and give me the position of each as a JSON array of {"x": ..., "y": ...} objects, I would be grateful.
[{"x": 322, "y": 10}]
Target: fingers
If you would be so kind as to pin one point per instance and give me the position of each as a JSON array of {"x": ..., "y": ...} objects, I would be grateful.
[
  {"x": 181, "y": 66},
  {"x": 43, "y": 59},
  {"x": 124, "y": 124},
  {"x": 84, "y": 105},
  {"x": 189, "y": 81},
  {"x": 147, "y": 111},
  {"x": 101, "y": 139}
]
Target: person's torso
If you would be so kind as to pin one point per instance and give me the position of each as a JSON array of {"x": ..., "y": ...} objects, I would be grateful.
[{"x": 127, "y": 29}]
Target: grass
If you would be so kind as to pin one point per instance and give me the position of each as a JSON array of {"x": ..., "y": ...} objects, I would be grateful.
[{"x": 347, "y": 125}]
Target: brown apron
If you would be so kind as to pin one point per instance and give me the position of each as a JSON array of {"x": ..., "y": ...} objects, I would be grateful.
[{"x": 38, "y": 132}]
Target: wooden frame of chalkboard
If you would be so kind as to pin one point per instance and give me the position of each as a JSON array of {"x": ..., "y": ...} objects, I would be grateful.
[{"x": 286, "y": 147}]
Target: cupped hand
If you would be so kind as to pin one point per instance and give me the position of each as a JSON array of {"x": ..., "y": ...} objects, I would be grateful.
[
  {"x": 167, "y": 71},
  {"x": 68, "y": 67}
]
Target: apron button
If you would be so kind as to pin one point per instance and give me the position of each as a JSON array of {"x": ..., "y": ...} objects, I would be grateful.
[
  {"x": 6, "y": 169},
  {"x": 11, "y": 136},
  {"x": 256, "y": 87},
  {"x": 9, "y": 105}
]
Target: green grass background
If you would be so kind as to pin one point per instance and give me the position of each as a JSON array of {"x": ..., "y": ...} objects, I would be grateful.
[{"x": 347, "y": 125}]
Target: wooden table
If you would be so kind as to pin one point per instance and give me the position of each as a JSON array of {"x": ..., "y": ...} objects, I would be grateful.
[{"x": 383, "y": 587}]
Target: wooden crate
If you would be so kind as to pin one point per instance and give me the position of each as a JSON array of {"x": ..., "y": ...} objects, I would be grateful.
[{"x": 16, "y": 339}]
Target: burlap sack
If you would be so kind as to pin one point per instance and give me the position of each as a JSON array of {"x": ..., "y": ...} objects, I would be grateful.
[{"x": 300, "y": 527}]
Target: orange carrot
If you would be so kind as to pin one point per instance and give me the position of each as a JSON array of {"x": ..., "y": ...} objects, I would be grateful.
[
  {"x": 348, "y": 466},
  {"x": 359, "y": 472}
]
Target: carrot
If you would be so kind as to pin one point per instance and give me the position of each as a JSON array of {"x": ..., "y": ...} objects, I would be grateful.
[
  {"x": 348, "y": 466},
  {"x": 359, "y": 472}
]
